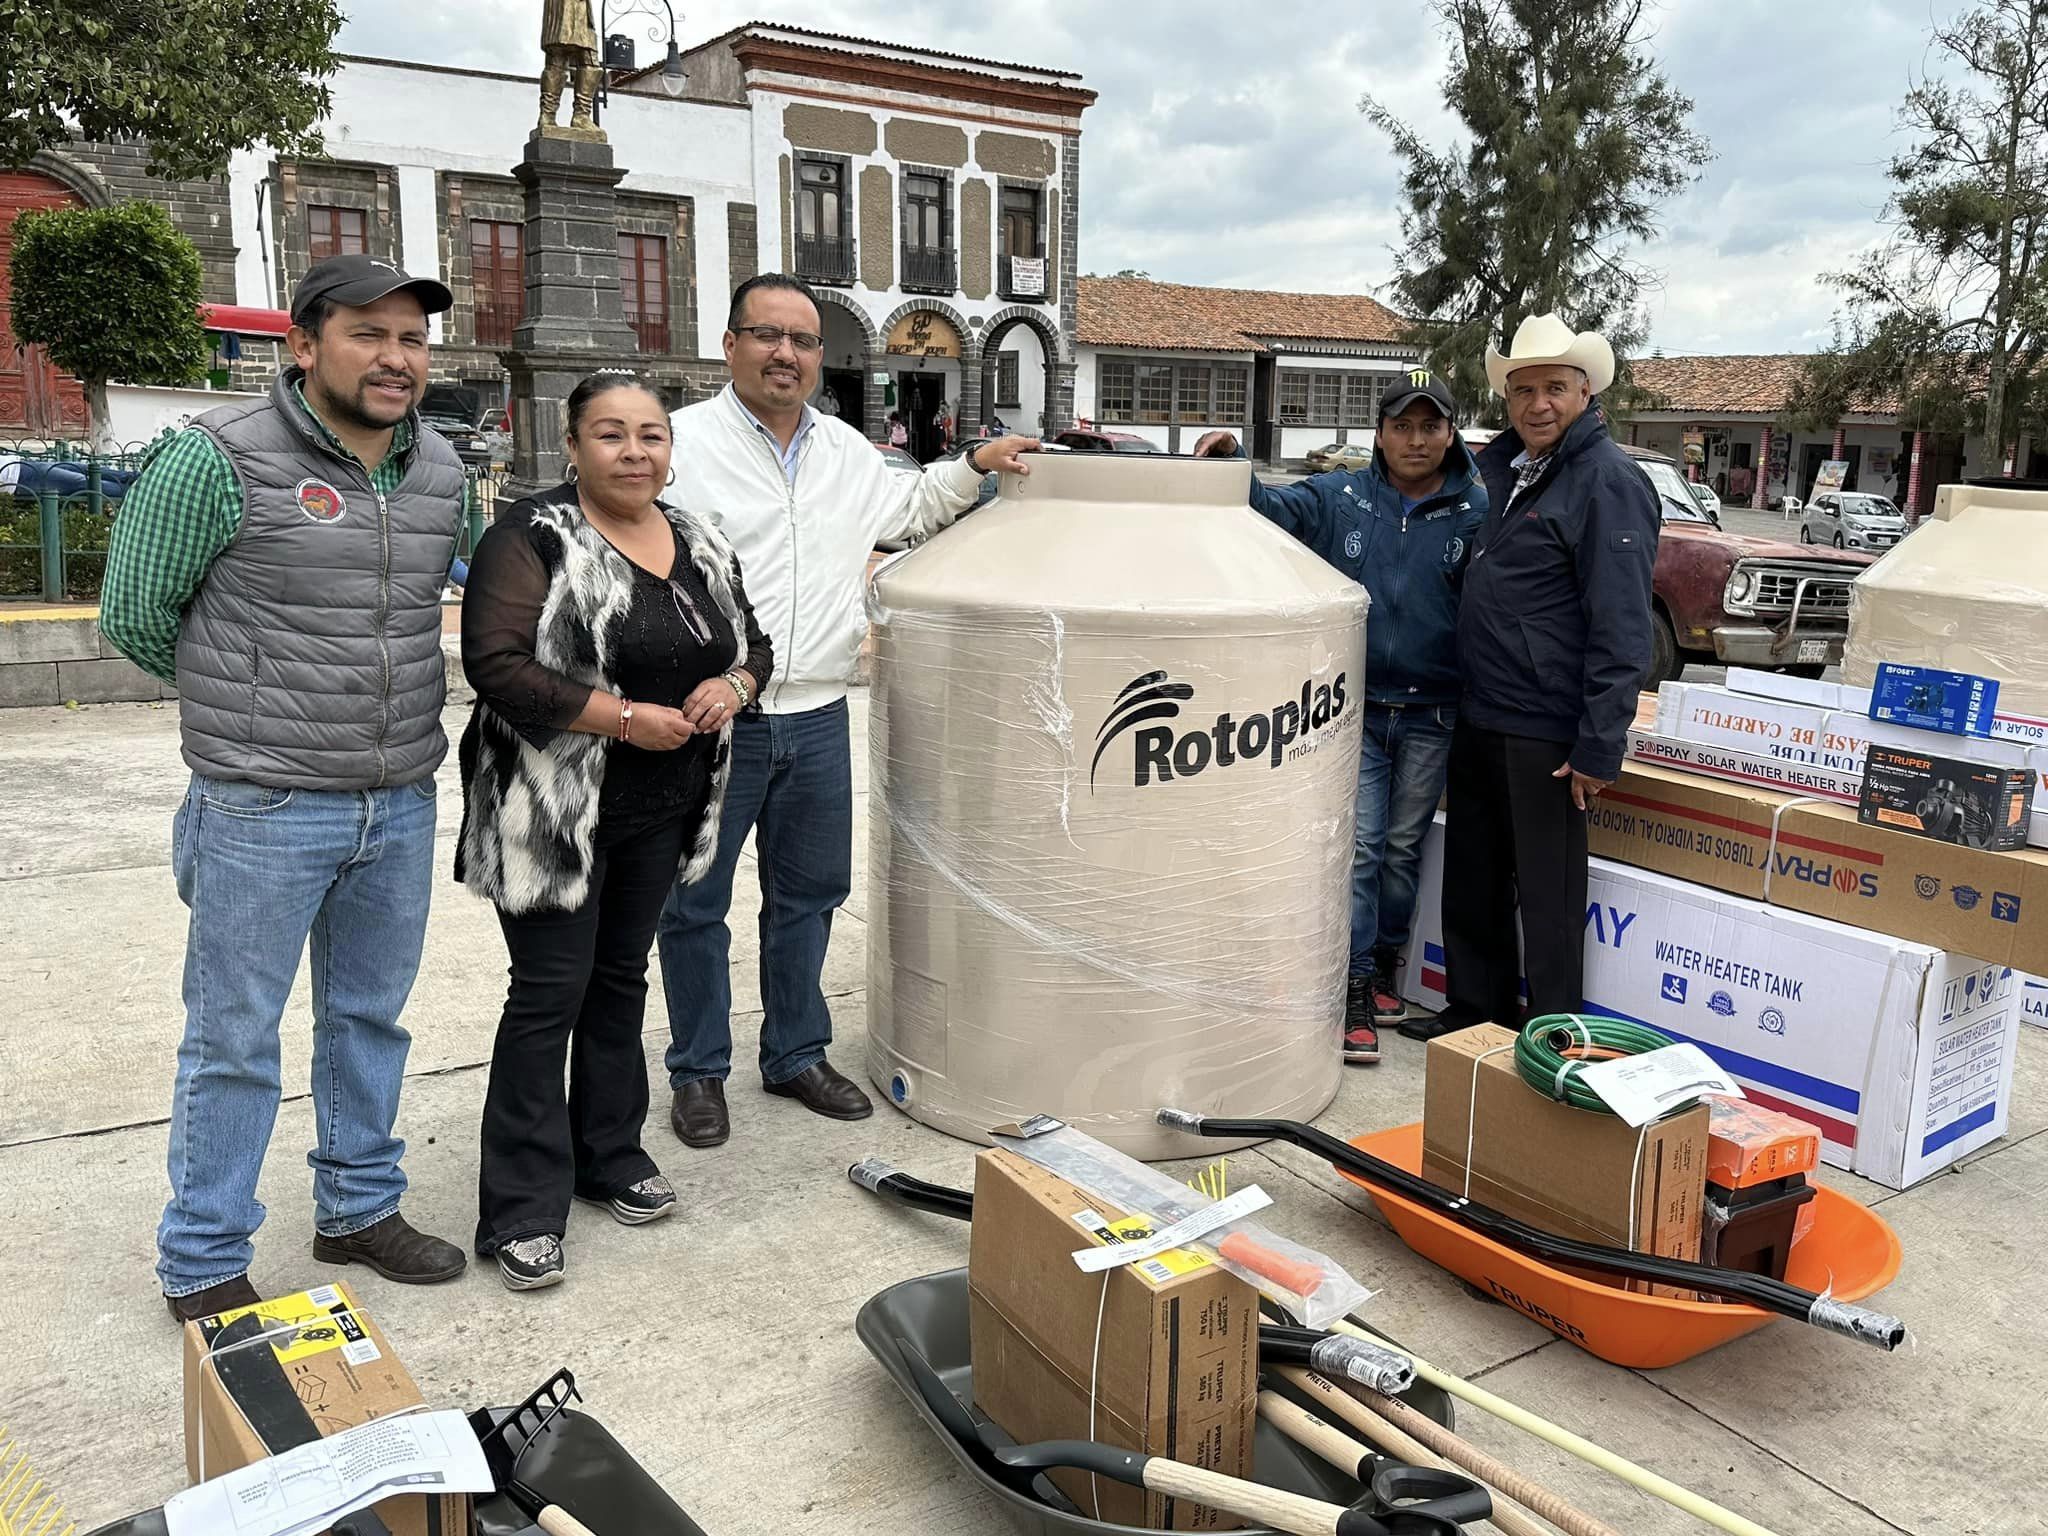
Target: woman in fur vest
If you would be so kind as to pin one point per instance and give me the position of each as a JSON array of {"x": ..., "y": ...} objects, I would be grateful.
[{"x": 610, "y": 644}]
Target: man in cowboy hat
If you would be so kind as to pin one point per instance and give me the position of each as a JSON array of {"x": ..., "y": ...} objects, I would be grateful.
[{"x": 1553, "y": 643}]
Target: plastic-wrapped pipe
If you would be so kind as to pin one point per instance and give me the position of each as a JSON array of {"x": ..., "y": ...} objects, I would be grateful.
[
  {"x": 886, "y": 1179},
  {"x": 1856, "y": 1322},
  {"x": 1335, "y": 1355}
]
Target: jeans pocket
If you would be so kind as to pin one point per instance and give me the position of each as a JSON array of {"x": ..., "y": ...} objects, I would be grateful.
[
  {"x": 235, "y": 797},
  {"x": 425, "y": 788}
]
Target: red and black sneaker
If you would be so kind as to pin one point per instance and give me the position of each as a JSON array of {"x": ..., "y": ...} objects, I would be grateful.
[
  {"x": 1388, "y": 1006},
  {"x": 1361, "y": 1034}
]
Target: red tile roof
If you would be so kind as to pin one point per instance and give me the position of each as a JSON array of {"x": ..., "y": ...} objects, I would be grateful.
[
  {"x": 1732, "y": 384},
  {"x": 1135, "y": 312}
]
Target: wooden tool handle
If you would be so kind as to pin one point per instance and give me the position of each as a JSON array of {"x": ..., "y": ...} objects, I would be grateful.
[
  {"x": 557, "y": 1521},
  {"x": 1305, "y": 1429},
  {"x": 1505, "y": 1517},
  {"x": 1254, "y": 1501},
  {"x": 1568, "y": 1518}
]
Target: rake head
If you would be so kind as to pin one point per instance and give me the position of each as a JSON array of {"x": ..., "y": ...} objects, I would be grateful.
[{"x": 27, "y": 1507}]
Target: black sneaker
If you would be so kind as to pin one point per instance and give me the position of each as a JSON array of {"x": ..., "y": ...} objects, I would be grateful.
[
  {"x": 637, "y": 1204},
  {"x": 1361, "y": 1035},
  {"x": 1431, "y": 1026},
  {"x": 531, "y": 1263}
]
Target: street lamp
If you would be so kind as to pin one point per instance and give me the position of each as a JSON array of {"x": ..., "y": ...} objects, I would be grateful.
[{"x": 618, "y": 50}]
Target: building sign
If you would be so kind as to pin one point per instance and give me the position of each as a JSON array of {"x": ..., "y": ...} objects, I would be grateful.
[
  {"x": 1027, "y": 277},
  {"x": 1831, "y": 476},
  {"x": 1695, "y": 446},
  {"x": 923, "y": 334}
]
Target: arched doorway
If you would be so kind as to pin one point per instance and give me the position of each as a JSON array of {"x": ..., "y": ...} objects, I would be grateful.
[
  {"x": 843, "y": 375},
  {"x": 1035, "y": 402},
  {"x": 930, "y": 353},
  {"x": 35, "y": 399}
]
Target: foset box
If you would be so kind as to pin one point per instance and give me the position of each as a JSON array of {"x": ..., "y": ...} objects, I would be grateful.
[
  {"x": 327, "y": 1361},
  {"x": 1812, "y": 856},
  {"x": 1176, "y": 1373},
  {"x": 1932, "y": 700},
  {"x": 1492, "y": 1138},
  {"x": 1899, "y": 1054},
  {"x": 2006, "y": 725}
]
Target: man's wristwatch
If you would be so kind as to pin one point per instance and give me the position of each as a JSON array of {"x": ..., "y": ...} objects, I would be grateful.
[{"x": 972, "y": 462}]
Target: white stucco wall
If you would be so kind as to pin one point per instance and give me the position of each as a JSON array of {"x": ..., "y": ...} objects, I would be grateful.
[{"x": 138, "y": 413}]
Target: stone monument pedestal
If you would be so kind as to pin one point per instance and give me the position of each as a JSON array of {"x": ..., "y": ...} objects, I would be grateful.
[{"x": 574, "y": 323}]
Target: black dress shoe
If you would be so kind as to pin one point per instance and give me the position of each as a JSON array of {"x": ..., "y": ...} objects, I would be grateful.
[
  {"x": 698, "y": 1114},
  {"x": 224, "y": 1297},
  {"x": 823, "y": 1091},
  {"x": 396, "y": 1250},
  {"x": 1435, "y": 1026}
]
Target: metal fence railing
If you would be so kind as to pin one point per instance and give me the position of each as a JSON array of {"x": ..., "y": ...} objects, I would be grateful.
[{"x": 58, "y": 503}]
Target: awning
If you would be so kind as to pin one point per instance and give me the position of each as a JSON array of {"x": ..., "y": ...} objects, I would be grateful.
[{"x": 245, "y": 320}]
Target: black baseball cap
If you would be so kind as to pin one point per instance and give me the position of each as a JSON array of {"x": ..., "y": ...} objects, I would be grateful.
[
  {"x": 1420, "y": 384},
  {"x": 358, "y": 280}
]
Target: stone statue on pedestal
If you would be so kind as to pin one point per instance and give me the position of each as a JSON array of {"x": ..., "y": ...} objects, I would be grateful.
[{"x": 570, "y": 42}]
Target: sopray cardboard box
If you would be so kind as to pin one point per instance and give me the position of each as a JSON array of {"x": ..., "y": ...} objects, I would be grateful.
[{"x": 1900, "y": 1054}]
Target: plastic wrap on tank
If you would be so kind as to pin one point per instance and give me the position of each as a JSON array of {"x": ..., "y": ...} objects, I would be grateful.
[
  {"x": 1113, "y": 751},
  {"x": 1966, "y": 591}
]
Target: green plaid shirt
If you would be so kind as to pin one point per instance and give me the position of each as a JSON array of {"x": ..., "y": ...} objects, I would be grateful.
[{"x": 181, "y": 512}]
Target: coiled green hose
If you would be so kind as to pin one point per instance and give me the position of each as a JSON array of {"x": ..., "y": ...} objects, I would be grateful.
[{"x": 1540, "y": 1053}]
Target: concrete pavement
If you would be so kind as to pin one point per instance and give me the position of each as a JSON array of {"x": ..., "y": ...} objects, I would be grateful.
[{"x": 719, "y": 1345}]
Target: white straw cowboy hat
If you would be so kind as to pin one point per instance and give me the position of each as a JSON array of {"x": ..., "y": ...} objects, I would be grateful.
[{"x": 1545, "y": 339}]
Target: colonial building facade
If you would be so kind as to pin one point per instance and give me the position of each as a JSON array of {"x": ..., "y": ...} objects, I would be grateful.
[
  {"x": 1288, "y": 372},
  {"x": 933, "y": 200}
]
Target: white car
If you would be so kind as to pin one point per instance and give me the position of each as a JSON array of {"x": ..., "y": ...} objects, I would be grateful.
[{"x": 1852, "y": 520}]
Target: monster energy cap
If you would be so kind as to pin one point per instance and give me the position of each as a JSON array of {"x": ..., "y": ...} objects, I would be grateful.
[
  {"x": 1418, "y": 384},
  {"x": 354, "y": 281}
]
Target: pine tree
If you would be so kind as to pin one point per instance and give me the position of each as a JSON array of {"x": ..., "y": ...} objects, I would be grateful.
[
  {"x": 1951, "y": 315},
  {"x": 1574, "y": 140}
]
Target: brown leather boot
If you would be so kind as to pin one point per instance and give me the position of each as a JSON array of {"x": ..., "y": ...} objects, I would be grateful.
[
  {"x": 224, "y": 1297},
  {"x": 396, "y": 1250},
  {"x": 698, "y": 1115},
  {"x": 824, "y": 1091}
]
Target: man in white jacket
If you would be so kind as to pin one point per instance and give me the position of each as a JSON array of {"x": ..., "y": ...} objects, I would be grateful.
[{"x": 803, "y": 497}]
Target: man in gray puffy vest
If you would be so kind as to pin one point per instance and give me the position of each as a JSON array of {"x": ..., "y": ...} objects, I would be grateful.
[{"x": 282, "y": 561}]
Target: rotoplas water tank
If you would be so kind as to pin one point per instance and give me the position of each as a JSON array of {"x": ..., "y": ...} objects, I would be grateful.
[{"x": 1113, "y": 745}]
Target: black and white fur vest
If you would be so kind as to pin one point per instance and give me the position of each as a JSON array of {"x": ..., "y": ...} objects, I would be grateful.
[{"x": 532, "y": 810}]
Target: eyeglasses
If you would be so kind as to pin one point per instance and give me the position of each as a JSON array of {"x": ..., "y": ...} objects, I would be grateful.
[
  {"x": 773, "y": 336},
  {"x": 688, "y": 611}
]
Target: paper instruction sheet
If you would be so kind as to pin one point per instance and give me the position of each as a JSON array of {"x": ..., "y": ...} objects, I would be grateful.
[{"x": 305, "y": 1490}]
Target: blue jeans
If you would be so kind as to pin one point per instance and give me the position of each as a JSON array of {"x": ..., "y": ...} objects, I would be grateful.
[
  {"x": 1404, "y": 757},
  {"x": 263, "y": 870},
  {"x": 792, "y": 777}
]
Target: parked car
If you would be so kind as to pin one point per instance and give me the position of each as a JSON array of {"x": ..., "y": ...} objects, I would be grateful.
[
  {"x": 495, "y": 428},
  {"x": 453, "y": 412},
  {"x": 1703, "y": 493},
  {"x": 1095, "y": 440},
  {"x": 1338, "y": 456},
  {"x": 1852, "y": 520},
  {"x": 899, "y": 461},
  {"x": 1737, "y": 599}
]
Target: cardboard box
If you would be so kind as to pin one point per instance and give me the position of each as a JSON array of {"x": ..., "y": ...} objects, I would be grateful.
[
  {"x": 2007, "y": 724},
  {"x": 1952, "y": 702},
  {"x": 2034, "y": 1002},
  {"x": 339, "y": 1368},
  {"x": 1802, "y": 746},
  {"x": 1902, "y": 1056},
  {"x": 1178, "y": 1372},
  {"x": 1815, "y": 857},
  {"x": 1522, "y": 1142},
  {"x": 1945, "y": 798}
]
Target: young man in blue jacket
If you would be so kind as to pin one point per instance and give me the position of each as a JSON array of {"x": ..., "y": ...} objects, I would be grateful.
[
  {"x": 1554, "y": 642},
  {"x": 1401, "y": 527}
]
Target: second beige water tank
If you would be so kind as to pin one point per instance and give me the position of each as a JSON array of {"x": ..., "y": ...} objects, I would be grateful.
[{"x": 1113, "y": 751}]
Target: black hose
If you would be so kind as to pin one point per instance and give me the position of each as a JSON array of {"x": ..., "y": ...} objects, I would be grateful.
[
  {"x": 875, "y": 1175},
  {"x": 1757, "y": 1290}
]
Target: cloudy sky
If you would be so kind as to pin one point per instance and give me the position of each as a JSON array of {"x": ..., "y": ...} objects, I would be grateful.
[{"x": 1226, "y": 153}]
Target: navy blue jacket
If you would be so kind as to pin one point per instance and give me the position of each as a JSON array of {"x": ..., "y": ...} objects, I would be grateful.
[
  {"x": 1411, "y": 563},
  {"x": 1554, "y": 634}
]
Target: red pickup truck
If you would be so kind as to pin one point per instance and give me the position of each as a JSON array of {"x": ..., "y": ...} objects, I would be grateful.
[{"x": 1740, "y": 600}]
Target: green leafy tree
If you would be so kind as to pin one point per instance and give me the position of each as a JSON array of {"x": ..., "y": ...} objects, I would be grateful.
[
  {"x": 1950, "y": 316},
  {"x": 1572, "y": 140},
  {"x": 196, "y": 79},
  {"x": 112, "y": 293}
]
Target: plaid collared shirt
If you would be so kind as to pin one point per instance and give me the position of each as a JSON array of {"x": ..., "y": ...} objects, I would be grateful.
[
  {"x": 181, "y": 512},
  {"x": 1527, "y": 473}
]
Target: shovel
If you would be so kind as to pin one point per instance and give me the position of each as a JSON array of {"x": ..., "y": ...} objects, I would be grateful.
[
  {"x": 501, "y": 1452},
  {"x": 1018, "y": 1466}
]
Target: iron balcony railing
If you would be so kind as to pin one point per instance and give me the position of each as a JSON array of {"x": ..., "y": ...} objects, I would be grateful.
[
  {"x": 931, "y": 268},
  {"x": 824, "y": 259}
]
